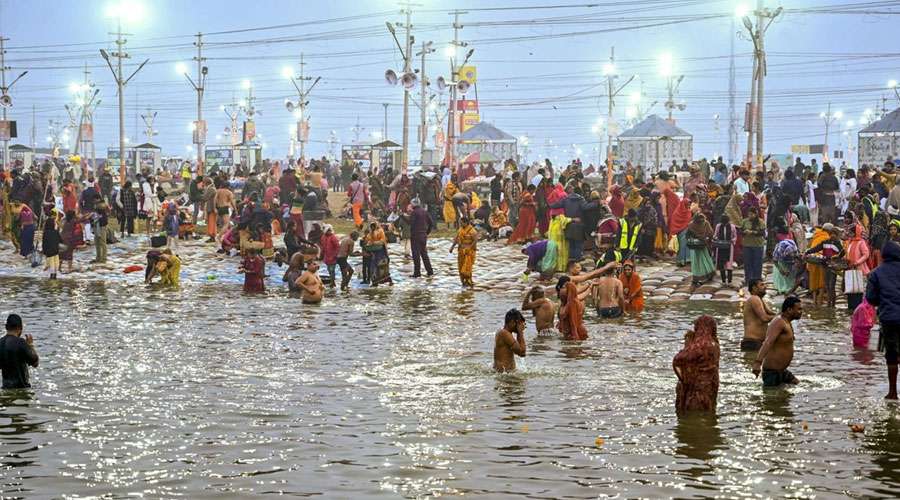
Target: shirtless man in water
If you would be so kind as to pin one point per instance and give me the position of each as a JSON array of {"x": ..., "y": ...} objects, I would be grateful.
[
  {"x": 310, "y": 285},
  {"x": 224, "y": 204},
  {"x": 777, "y": 351},
  {"x": 757, "y": 316},
  {"x": 583, "y": 280},
  {"x": 608, "y": 295},
  {"x": 541, "y": 307},
  {"x": 506, "y": 348}
]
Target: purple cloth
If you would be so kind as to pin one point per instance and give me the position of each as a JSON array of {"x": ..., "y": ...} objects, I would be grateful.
[{"x": 535, "y": 253}]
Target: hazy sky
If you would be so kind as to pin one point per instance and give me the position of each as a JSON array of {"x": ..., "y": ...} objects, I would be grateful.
[{"x": 539, "y": 69}]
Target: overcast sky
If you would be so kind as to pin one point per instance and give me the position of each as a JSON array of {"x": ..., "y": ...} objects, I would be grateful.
[{"x": 539, "y": 68}]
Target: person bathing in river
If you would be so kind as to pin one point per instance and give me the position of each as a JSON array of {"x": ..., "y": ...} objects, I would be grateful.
[
  {"x": 631, "y": 288},
  {"x": 310, "y": 285},
  {"x": 254, "y": 268},
  {"x": 507, "y": 347},
  {"x": 757, "y": 316},
  {"x": 164, "y": 264},
  {"x": 571, "y": 309},
  {"x": 697, "y": 369},
  {"x": 777, "y": 351},
  {"x": 608, "y": 296},
  {"x": 542, "y": 308}
]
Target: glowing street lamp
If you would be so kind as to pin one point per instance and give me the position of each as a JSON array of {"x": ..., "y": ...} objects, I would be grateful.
[
  {"x": 287, "y": 72},
  {"x": 246, "y": 84},
  {"x": 609, "y": 69},
  {"x": 741, "y": 11},
  {"x": 666, "y": 64}
]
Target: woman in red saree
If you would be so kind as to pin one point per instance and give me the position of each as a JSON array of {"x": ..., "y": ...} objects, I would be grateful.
[
  {"x": 697, "y": 368},
  {"x": 254, "y": 267},
  {"x": 527, "y": 217},
  {"x": 617, "y": 202},
  {"x": 571, "y": 311}
]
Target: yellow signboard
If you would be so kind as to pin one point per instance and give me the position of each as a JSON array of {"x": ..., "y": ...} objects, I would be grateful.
[
  {"x": 469, "y": 120},
  {"x": 467, "y": 74}
]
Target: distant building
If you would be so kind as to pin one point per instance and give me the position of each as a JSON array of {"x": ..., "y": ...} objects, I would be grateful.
[
  {"x": 654, "y": 143},
  {"x": 878, "y": 141},
  {"x": 485, "y": 137}
]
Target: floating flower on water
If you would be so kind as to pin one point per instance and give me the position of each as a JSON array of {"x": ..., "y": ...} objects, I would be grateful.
[
  {"x": 524, "y": 427},
  {"x": 857, "y": 427},
  {"x": 804, "y": 426},
  {"x": 598, "y": 442}
]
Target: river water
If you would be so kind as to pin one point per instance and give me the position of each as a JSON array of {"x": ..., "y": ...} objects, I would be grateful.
[{"x": 203, "y": 392}]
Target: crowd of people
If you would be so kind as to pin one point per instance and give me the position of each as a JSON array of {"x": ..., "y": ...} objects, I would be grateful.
[{"x": 818, "y": 227}]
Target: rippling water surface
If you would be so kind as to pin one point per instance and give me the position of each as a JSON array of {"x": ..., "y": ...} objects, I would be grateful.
[{"x": 203, "y": 392}]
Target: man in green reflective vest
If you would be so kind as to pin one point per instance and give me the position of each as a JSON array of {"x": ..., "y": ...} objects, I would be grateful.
[{"x": 629, "y": 229}]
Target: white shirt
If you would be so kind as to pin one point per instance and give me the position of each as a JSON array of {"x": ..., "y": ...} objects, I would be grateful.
[
  {"x": 811, "y": 195},
  {"x": 741, "y": 186}
]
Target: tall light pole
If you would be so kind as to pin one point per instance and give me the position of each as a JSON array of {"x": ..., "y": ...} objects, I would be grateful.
[
  {"x": 300, "y": 106},
  {"x": 148, "y": 119},
  {"x": 199, "y": 87},
  {"x": 829, "y": 118},
  {"x": 764, "y": 19},
  {"x": 407, "y": 78},
  {"x": 609, "y": 71},
  {"x": 666, "y": 69},
  {"x": 5, "y": 99},
  {"x": 423, "y": 126},
  {"x": 119, "y": 12}
]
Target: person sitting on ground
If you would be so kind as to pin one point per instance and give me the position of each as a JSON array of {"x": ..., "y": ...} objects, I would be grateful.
[
  {"x": 542, "y": 308},
  {"x": 496, "y": 222},
  {"x": 311, "y": 287},
  {"x": 777, "y": 351},
  {"x": 608, "y": 295},
  {"x": 506, "y": 348}
]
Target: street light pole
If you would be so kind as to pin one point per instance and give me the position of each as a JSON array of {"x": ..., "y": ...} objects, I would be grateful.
[
  {"x": 5, "y": 100},
  {"x": 829, "y": 118},
  {"x": 302, "y": 94},
  {"x": 385, "y": 129},
  {"x": 764, "y": 19},
  {"x": 423, "y": 127},
  {"x": 121, "y": 81},
  {"x": 200, "y": 87}
]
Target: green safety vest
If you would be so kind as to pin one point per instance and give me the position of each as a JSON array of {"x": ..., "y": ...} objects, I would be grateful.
[{"x": 624, "y": 244}]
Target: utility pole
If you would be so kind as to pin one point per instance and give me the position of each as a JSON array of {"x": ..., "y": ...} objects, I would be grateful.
[
  {"x": 121, "y": 81},
  {"x": 303, "y": 94},
  {"x": 732, "y": 102},
  {"x": 148, "y": 123},
  {"x": 764, "y": 19},
  {"x": 829, "y": 119},
  {"x": 451, "y": 126},
  {"x": 609, "y": 70},
  {"x": 357, "y": 130},
  {"x": 404, "y": 161},
  {"x": 5, "y": 99},
  {"x": 423, "y": 126},
  {"x": 199, "y": 86},
  {"x": 232, "y": 111},
  {"x": 385, "y": 129},
  {"x": 610, "y": 101},
  {"x": 33, "y": 126}
]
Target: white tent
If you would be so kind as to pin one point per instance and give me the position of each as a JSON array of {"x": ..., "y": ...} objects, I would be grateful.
[
  {"x": 654, "y": 143},
  {"x": 878, "y": 141}
]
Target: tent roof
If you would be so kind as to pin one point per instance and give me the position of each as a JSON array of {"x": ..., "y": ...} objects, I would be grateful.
[
  {"x": 19, "y": 147},
  {"x": 653, "y": 126},
  {"x": 146, "y": 145},
  {"x": 484, "y": 131},
  {"x": 387, "y": 143},
  {"x": 890, "y": 123}
]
